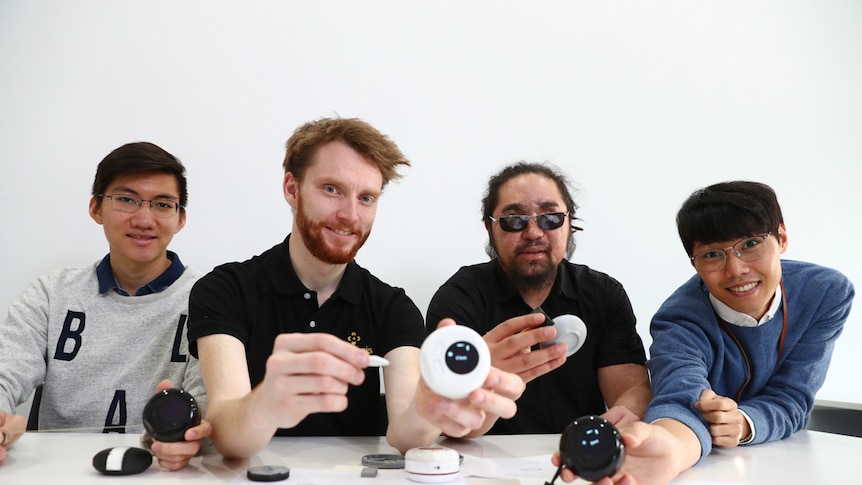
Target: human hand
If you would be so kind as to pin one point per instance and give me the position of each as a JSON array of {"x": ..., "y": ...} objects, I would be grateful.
[
  {"x": 307, "y": 373},
  {"x": 177, "y": 454},
  {"x": 12, "y": 427},
  {"x": 620, "y": 416},
  {"x": 476, "y": 413},
  {"x": 651, "y": 457},
  {"x": 510, "y": 343},
  {"x": 727, "y": 425}
]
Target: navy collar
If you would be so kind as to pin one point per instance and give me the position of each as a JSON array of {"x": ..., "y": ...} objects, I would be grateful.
[{"x": 107, "y": 280}]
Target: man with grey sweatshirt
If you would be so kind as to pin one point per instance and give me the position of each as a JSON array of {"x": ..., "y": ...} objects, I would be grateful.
[{"x": 103, "y": 338}]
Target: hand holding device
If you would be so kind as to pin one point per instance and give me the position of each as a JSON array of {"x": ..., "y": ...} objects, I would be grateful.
[
  {"x": 454, "y": 361},
  {"x": 169, "y": 413},
  {"x": 571, "y": 330},
  {"x": 592, "y": 448}
]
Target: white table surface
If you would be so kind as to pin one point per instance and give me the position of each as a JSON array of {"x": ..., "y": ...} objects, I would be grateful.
[{"x": 807, "y": 457}]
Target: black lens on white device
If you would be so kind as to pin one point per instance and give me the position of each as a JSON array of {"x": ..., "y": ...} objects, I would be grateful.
[
  {"x": 169, "y": 413},
  {"x": 462, "y": 357},
  {"x": 592, "y": 448}
]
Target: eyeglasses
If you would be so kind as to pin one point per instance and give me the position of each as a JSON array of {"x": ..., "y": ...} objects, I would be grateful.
[
  {"x": 546, "y": 222},
  {"x": 747, "y": 249},
  {"x": 130, "y": 203}
]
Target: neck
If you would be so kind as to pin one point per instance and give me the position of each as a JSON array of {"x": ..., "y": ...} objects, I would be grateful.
[
  {"x": 322, "y": 278},
  {"x": 132, "y": 275}
]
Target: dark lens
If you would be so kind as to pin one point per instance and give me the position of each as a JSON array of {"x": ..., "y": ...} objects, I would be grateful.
[
  {"x": 551, "y": 220},
  {"x": 513, "y": 223},
  {"x": 462, "y": 357}
]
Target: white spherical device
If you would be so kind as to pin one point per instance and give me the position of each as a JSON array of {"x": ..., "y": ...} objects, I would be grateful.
[
  {"x": 571, "y": 330},
  {"x": 454, "y": 361}
]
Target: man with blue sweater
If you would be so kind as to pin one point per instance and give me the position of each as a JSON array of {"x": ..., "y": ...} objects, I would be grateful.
[{"x": 740, "y": 350}]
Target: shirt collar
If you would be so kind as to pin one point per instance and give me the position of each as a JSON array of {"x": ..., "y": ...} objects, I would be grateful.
[
  {"x": 285, "y": 280},
  {"x": 108, "y": 282},
  {"x": 734, "y": 317}
]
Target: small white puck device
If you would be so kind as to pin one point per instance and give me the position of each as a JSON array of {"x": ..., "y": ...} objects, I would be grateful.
[
  {"x": 454, "y": 361},
  {"x": 571, "y": 330},
  {"x": 432, "y": 464}
]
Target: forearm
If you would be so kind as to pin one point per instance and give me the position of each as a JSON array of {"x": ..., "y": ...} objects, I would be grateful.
[
  {"x": 238, "y": 431},
  {"x": 686, "y": 448},
  {"x": 635, "y": 399},
  {"x": 410, "y": 430}
]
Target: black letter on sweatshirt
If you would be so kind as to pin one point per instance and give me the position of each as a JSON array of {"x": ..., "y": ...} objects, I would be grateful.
[
  {"x": 176, "y": 356},
  {"x": 118, "y": 403},
  {"x": 67, "y": 334}
]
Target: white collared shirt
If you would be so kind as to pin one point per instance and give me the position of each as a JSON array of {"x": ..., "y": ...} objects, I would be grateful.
[{"x": 739, "y": 319}]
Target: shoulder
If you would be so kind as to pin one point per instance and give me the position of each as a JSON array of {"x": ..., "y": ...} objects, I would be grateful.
[{"x": 815, "y": 281}]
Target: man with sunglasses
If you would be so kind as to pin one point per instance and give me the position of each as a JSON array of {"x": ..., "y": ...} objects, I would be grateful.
[
  {"x": 528, "y": 212},
  {"x": 102, "y": 338},
  {"x": 740, "y": 349}
]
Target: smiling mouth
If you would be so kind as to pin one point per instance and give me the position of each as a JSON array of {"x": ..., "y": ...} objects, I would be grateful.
[
  {"x": 743, "y": 288},
  {"x": 342, "y": 232}
]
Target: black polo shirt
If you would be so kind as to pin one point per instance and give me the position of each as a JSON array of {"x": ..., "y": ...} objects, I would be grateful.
[
  {"x": 258, "y": 299},
  {"x": 480, "y": 296}
]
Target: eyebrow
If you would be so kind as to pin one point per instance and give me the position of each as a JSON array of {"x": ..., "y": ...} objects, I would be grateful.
[
  {"x": 132, "y": 191},
  {"x": 522, "y": 209}
]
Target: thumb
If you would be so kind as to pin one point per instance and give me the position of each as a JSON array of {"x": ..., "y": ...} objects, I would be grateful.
[{"x": 164, "y": 385}]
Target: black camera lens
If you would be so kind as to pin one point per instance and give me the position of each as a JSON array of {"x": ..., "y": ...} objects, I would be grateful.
[
  {"x": 462, "y": 357},
  {"x": 592, "y": 448},
  {"x": 169, "y": 413}
]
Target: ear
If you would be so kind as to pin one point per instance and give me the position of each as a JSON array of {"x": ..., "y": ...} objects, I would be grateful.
[
  {"x": 291, "y": 187},
  {"x": 96, "y": 210},
  {"x": 782, "y": 237},
  {"x": 182, "y": 222}
]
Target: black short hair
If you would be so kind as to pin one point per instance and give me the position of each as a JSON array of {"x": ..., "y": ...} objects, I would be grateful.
[{"x": 728, "y": 211}]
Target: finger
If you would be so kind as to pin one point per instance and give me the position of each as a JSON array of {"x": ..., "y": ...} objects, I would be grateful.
[
  {"x": 514, "y": 326},
  {"x": 164, "y": 386},
  {"x": 539, "y": 366},
  {"x": 199, "y": 432},
  {"x": 314, "y": 363},
  {"x": 446, "y": 322},
  {"x": 504, "y": 383},
  {"x": 322, "y": 342},
  {"x": 492, "y": 403},
  {"x": 446, "y": 415},
  {"x": 283, "y": 386},
  {"x": 174, "y": 464},
  {"x": 175, "y": 450},
  {"x": 707, "y": 394}
]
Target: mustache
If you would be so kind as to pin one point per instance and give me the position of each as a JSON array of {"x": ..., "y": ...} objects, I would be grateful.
[{"x": 533, "y": 245}]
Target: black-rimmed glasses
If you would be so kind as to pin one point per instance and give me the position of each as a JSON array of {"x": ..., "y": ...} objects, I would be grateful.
[
  {"x": 546, "y": 222},
  {"x": 747, "y": 249},
  {"x": 131, "y": 203}
]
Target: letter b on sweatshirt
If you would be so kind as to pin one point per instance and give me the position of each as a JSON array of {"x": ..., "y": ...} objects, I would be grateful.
[{"x": 69, "y": 342}]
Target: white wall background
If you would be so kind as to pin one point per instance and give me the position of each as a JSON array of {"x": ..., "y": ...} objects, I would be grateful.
[{"x": 639, "y": 102}]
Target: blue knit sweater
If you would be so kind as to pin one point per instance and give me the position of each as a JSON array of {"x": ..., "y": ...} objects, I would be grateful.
[{"x": 691, "y": 353}]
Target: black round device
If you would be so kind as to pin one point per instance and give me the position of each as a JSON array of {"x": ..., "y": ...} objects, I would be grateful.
[
  {"x": 462, "y": 357},
  {"x": 592, "y": 448},
  {"x": 169, "y": 413}
]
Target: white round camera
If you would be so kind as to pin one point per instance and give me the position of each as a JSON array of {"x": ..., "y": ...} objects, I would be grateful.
[
  {"x": 432, "y": 464},
  {"x": 454, "y": 361},
  {"x": 571, "y": 330}
]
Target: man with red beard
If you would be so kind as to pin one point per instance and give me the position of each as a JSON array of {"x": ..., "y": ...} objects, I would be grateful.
[
  {"x": 284, "y": 338},
  {"x": 528, "y": 212}
]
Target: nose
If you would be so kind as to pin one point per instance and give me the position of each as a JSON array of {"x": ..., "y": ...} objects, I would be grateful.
[
  {"x": 143, "y": 217},
  {"x": 533, "y": 231},
  {"x": 732, "y": 264},
  {"x": 348, "y": 209}
]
